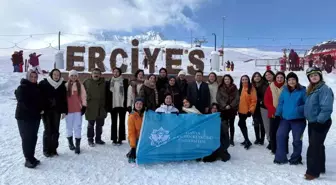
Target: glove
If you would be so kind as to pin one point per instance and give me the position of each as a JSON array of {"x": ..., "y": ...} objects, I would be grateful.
[
  {"x": 249, "y": 114},
  {"x": 132, "y": 155},
  {"x": 129, "y": 109},
  {"x": 83, "y": 110}
]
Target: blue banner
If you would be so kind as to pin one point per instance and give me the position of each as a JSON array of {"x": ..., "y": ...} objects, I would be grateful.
[{"x": 171, "y": 137}]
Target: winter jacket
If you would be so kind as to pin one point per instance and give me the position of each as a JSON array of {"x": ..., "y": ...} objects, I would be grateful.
[
  {"x": 183, "y": 86},
  {"x": 199, "y": 97},
  {"x": 228, "y": 95},
  {"x": 166, "y": 109},
  {"x": 247, "y": 102},
  {"x": 271, "y": 97},
  {"x": 76, "y": 102},
  {"x": 34, "y": 60},
  {"x": 117, "y": 98},
  {"x": 176, "y": 95},
  {"x": 261, "y": 90},
  {"x": 134, "y": 128},
  {"x": 15, "y": 59},
  {"x": 191, "y": 110},
  {"x": 319, "y": 104},
  {"x": 133, "y": 91},
  {"x": 29, "y": 101},
  {"x": 150, "y": 96},
  {"x": 96, "y": 99},
  {"x": 291, "y": 104},
  {"x": 161, "y": 83},
  {"x": 54, "y": 95},
  {"x": 213, "y": 88}
]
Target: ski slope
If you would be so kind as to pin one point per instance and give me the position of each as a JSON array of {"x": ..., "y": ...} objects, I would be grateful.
[{"x": 107, "y": 164}]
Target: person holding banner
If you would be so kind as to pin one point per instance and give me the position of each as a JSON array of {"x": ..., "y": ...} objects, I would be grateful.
[
  {"x": 134, "y": 127},
  {"x": 149, "y": 93},
  {"x": 167, "y": 106},
  {"x": 188, "y": 107},
  {"x": 247, "y": 106}
]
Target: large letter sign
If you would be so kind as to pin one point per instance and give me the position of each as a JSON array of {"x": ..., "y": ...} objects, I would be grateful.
[{"x": 171, "y": 137}]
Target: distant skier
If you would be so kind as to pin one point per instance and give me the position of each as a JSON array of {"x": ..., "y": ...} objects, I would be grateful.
[{"x": 232, "y": 66}]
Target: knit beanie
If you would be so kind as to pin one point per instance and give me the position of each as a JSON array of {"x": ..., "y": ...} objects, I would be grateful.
[
  {"x": 73, "y": 72},
  {"x": 181, "y": 73},
  {"x": 292, "y": 75}
]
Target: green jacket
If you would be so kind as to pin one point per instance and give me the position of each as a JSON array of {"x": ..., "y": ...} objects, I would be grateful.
[{"x": 96, "y": 96}]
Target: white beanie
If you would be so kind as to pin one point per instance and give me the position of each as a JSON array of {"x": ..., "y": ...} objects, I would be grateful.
[
  {"x": 73, "y": 72},
  {"x": 182, "y": 73}
]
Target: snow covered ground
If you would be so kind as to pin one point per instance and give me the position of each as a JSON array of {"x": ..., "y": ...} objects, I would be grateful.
[{"x": 107, "y": 164}]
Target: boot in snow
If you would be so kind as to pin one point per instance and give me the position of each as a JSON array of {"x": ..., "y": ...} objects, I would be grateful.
[
  {"x": 114, "y": 142},
  {"x": 232, "y": 143},
  {"x": 248, "y": 144},
  {"x": 30, "y": 164},
  {"x": 269, "y": 146},
  {"x": 119, "y": 142},
  {"x": 243, "y": 143},
  {"x": 47, "y": 154},
  {"x": 91, "y": 144},
  {"x": 71, "y": 144},
  {"x": 100, "y": 142},
  {"x": 77, "y": 149}
]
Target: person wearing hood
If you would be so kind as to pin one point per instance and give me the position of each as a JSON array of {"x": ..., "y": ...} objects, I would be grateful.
[
  {"x": 134, "y": 127},
  {"x": 259, "y": 129},
  {"x": 198, "y": 93},
  {"x": 247, "y": 106},
  {"x": 271, "y": 100},
  {"x": 173, "y": 89},
  {"x": 318, "y": 109},
  {"x": 161, "y": 83},
  {"x": 290, "y": 111},
  {"x": 54, "y": 95},
  {"x": 213, "y": 87},
  {"x": 182, "y": 83},
  {"x": 149, "y": 93},
  {"x": 76, "y": 97},
  {"x": 116, "y": 102},
  {"x": 96, "y": 106},
  {"x": 268, "y": 77},
  {"x": 28, "y": 115},
  {"x": 189, "y": 108},
  {"x": 168, "y": 106},
  {"x": 228, "y": 101},
  {"x": 134, "y": 88}
]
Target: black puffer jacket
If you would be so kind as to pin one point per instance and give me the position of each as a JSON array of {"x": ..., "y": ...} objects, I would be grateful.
[
  {"x": 54, "y": 99},
  {"x": 29, "y": 101}
]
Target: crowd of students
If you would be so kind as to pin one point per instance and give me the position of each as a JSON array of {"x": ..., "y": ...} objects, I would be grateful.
[{"x": 277, "y": 104}]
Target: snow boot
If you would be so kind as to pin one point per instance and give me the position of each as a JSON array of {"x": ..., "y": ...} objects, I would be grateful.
[
  {"x": 114, "y": 142},
  {"x": 71, "y": 144},
  {"x": 91, "y": 144},
  {"x": 248, "y": 144},
  {"x": 47, "y": 154},
  {"x": 232, "y": 143},
  {"x": 310, "y": 177},
  {"x": 269, "y": 147},
  {"x": 77, "y": 149},
  {"x": 100, "y": 142},
  {"x": 30, "y": 164},
  {"x": 36, "y": 161},
  {"x": 119, "y": 142}
]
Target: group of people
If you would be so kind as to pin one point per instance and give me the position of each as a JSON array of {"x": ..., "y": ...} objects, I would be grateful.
[
  {"x": 18, "y": 62},
  {"x": 229, "y": 66},
  {"x": 277, "y": 104}
]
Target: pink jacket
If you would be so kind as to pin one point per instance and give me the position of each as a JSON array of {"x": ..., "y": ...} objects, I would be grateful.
[{"x": 75, "y": 102}]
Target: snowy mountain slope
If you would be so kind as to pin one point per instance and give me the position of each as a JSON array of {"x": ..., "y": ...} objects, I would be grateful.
[
  {"x": 108, "y": 165},
  {"x": 106, "y": 35}
]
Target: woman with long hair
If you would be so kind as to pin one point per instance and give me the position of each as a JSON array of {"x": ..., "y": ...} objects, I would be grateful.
[
  {"x": 188, "y": 107},
  {"x": 134, "y": 88},
  {"x": 76, "y": 98},
  {"x": 228, "y": 101},
  {"x": 317, "y": 110},
  {"x": 150, "y": 93},
  {"x": 213, "y": 87},
  {"x": 247, "y": 106},
  {"x": 259, "y": 129}
]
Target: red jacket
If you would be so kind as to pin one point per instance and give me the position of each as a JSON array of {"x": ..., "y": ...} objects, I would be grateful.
[{"x": 268, "y": 100}]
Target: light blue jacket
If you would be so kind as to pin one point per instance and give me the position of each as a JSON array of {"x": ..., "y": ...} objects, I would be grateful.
[
  {"x": 291, "y": 104},
  {"x": 319, "y": 104}
]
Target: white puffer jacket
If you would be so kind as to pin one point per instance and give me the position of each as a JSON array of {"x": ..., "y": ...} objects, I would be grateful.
[{"x": 166, "y": 109}]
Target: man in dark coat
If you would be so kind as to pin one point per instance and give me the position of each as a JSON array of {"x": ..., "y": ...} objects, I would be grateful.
[
  {"x": 199, "y": 94},
  {"x": 55, "y": 108},
  {"x": 161, "y": 84},
  {"x": 96, "y": 108},
  {"x": 293, "y": 60}
]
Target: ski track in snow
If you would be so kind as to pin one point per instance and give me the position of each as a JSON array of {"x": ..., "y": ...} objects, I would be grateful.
[{"x": 108, "y": 165}]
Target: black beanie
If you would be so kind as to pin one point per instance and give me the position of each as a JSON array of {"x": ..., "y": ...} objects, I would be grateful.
[{"x": 292, "y": 75}]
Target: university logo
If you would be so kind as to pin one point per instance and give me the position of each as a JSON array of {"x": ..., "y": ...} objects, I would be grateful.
[{"x": 159, "y": 137}]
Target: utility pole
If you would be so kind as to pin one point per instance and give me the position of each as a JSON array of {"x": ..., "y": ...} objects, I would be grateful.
[
  {"x": 223, "y": 40},
  {"x": 215, "y": 41},
  {"x": 59, "y": 40}
]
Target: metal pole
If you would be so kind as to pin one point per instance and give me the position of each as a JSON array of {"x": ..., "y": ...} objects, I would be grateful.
[
  {"x": 215, "y": 41},
  {"x": 191, "y": 39},
  {"x": 59, "y": 40}
]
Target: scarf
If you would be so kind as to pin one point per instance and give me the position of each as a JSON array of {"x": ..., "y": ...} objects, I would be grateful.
[
  {"x": 153, "y": 86},
  {"x": 119, "y": 80},
  {"x": 191, "y": 110},
  {"x": 54, "y": 83},
  {"x": 276, "y": 91},
  {"x": 134, "y": 83}
]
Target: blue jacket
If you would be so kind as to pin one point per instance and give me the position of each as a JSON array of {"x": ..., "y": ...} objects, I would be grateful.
[
  {"x": 291, "y": 104},
  {"x": 319, "y": 104}
]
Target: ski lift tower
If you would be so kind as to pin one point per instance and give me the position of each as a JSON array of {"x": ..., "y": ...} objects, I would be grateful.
[{"x": 199, "y": 42}]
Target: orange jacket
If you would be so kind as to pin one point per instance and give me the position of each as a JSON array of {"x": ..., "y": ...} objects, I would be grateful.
[
  {"x": 247, "y": 101},
  {"x": 134, "y": 127}
]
